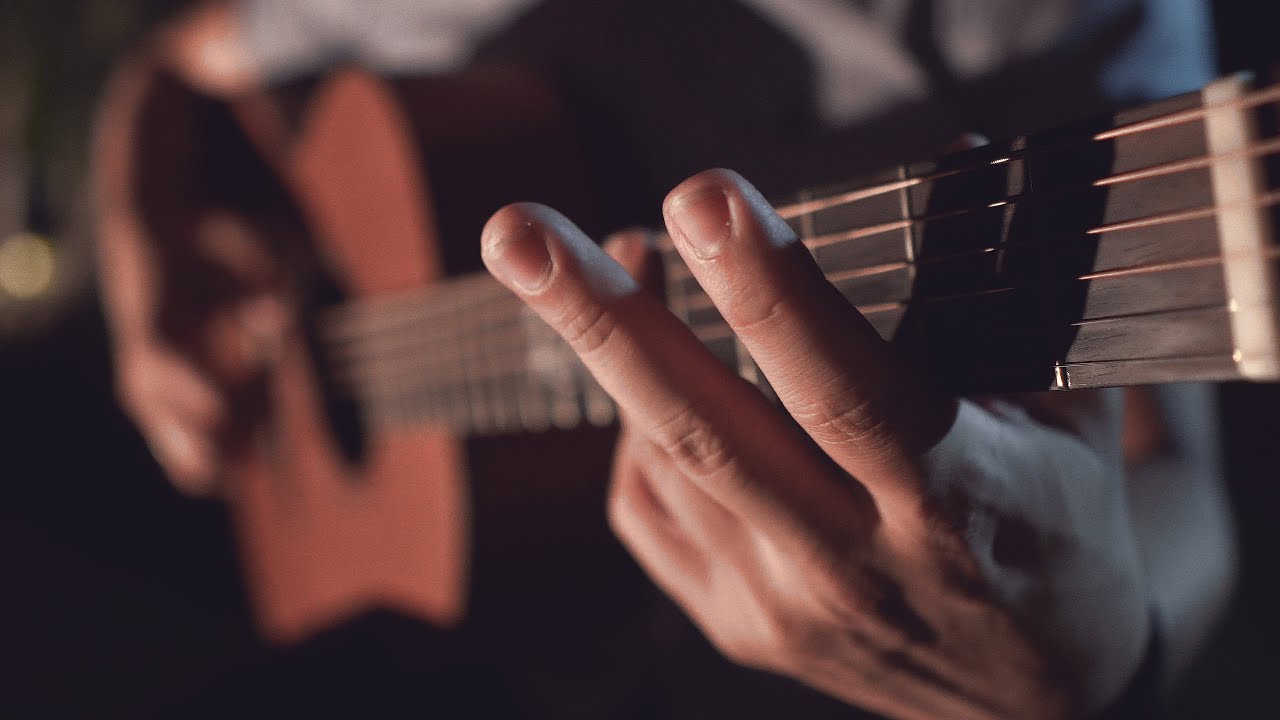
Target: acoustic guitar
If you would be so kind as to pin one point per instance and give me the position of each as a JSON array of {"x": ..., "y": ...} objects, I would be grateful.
[{"x": 1134, "y": 249}]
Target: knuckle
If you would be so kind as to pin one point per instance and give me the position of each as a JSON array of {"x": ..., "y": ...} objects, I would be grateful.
[
  {"x": 751, "y": 314},
  {"x": 693, "y": 444},
  {"x": 842, "y": 419},
  {"x": 774, "y": 639},
  {"x": 587, "y": 327}
]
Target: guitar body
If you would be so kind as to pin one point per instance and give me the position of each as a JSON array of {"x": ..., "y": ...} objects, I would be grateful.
[
  {"x": 327, "y": 531},
  {"x": 325, "y": 535}
]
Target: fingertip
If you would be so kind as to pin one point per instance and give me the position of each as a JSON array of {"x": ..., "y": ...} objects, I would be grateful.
[
  {"x": 513, "y": 245},
  {"x": 721, "y": 178},
  {"x": 186, "y": 456},
  {"x": 716, "y": 208}
]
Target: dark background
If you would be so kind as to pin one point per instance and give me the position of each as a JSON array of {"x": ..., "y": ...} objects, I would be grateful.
[{"x": 120, "y": 597}]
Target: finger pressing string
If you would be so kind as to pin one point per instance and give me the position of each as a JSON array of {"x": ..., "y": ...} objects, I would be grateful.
[
  {"x": 712, "y": 423},
  {"x": 833, "y": 372}
]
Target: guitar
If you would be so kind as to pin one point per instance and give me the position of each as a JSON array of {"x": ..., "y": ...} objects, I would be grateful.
[{"x": 1138, "y": 248}]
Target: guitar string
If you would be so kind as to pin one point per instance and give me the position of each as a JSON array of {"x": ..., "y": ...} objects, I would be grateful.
[
  {"x": 1255, "y": 98},
  {"x": 469, "y": 412},
  {"x": 695, "y": 301},
  {"x": 410, "y": 302},
  {"x": 699, "y": 301},
  {"x": 512, "y": 367},
  {"x": 494, "y": 408},
  {"x": 839, "y": 239},
  {"x": 376, "y": 342},
  {"x": 1172, "y": 167},
  {"x": 1249, "y": 100}
]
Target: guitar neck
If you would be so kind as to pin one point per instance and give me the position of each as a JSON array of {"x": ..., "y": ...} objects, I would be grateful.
[{"x": 1132, "y": 250}]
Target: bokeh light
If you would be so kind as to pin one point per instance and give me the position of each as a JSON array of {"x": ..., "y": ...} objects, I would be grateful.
[{"x": 28, "y": 265}]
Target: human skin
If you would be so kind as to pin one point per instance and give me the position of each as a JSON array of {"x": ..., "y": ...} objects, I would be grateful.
[{"x": 909, "y": 553}]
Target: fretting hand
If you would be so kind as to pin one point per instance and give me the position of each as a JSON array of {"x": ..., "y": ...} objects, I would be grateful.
[{"x": 908, "y": 553}]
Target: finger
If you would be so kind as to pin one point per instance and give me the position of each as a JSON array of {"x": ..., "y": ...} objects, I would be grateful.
[
  {"x": 691, "y": 511},
  {"x": 711, "y": 422},
  {"x": 157, "y": 376},
  {"x": 829, "y": 367},
  {"x": 184, "y": 452},
  {"x": 648, "y": 530},
  {"x": 632, "y": 249}
]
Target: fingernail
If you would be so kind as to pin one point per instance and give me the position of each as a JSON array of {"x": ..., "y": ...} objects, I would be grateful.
[
  {"x": 520, "y": 257},
  {"x": 701, "y": 220}
]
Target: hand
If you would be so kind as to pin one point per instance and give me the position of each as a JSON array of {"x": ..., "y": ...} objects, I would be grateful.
[
  {"x": 176, "y": 389},
  {"x": 911, "y": 554}
]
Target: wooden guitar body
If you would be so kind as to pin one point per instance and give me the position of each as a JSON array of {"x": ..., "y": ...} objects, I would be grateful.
[
  {"x": 323, "y": 534},
  {"x": 330, "y": 527}
]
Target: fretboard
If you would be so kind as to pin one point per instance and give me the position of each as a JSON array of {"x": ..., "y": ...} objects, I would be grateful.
[{"x": 1132, "y": 250}]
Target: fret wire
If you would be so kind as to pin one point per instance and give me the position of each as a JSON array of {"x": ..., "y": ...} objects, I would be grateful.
[{"x": 909, "y": 234}]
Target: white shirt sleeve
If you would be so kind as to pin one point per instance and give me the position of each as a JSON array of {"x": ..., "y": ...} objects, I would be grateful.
[{"x": 288, "y": 38}]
